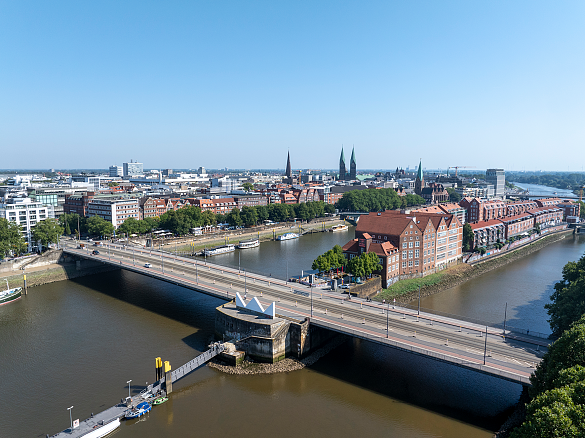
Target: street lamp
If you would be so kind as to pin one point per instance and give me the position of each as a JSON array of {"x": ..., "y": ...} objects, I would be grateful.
[
  {"x": 70, "y": 417},
  {"x": 128, "y": 382},
  {"x": 311, "y": 300},
  {"x": 388, "y": 320}
]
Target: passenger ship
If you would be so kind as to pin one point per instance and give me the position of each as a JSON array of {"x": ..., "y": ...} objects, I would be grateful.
[
  {"x": 288, "y": 236},
  {"x": 223, "y": 249},
  {"x": 340, "y": 227},
  {"x": 245, "y": 244}
]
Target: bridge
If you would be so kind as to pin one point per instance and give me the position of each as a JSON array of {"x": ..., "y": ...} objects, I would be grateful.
[{"x": 488, "y": 350}]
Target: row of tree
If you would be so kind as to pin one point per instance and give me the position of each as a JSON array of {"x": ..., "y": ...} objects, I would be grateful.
[
  {"x": 560, "y": 180},
  {"x": 376, "y": 200},
  {"x": 557, "y": 406},
  {"x": 360, "y": 266}
]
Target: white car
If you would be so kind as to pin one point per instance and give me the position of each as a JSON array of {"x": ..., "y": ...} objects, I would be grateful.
[
  {"x": 344, "y": 286},
  {"x": 147, "y": 265}
]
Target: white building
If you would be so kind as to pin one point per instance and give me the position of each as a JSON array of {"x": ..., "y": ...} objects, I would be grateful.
[
  {"x": 26, "y": 213},
  {"x": 132, "y": 168},
  {"x": 115, "y": 211},
  {"x": 116, "y": 171}
]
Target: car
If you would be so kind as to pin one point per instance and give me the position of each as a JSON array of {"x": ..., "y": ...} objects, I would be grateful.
[
  {"x": 95, "y": 252},
  {"x": 344, "y": 286},
  {"x": 147, "y": 265}
]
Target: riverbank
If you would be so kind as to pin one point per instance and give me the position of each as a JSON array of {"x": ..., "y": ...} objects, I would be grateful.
[
  {"x": 284, "y": 366},
  {"x": 406, "y": 291},
  {"x": 201, "y": 242}
]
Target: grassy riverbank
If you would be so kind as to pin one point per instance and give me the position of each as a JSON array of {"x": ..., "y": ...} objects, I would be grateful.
[{"x": 406, "y": 291}]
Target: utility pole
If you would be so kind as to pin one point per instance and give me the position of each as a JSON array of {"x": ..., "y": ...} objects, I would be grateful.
[
  {"x": 485, "y": 345},
  {"x": 419, "y": 300}
]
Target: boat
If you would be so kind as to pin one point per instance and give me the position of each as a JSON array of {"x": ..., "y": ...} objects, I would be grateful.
[
  {"x": 340, "y": 227},
  {"x": 219, "y": 250},
  {"x": 9, "y": 295},
  {"x": 288, "y": 236},
  {"x": 245, "y": 244},
  {"x": 159, "y": 401},
  {"x": 138, "y": 411},
  {"x": 103, "y": 430}
]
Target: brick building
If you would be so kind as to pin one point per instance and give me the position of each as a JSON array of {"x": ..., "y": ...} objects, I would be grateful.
[
  {"x": 487, "y": 233},
  {"x": 425, "y": 241},
  {"x": 217, "y": 205},
  {"x": 517, "y": 207},
  {"x": 517, "y": 225},
  {"x": 78, "y": 203},
  {"x": 387, "y": 254}
]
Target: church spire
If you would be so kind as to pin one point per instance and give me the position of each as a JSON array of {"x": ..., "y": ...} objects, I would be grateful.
[
  {"x": 288, "y": 168},
  {"x": 342, "y": 175}
]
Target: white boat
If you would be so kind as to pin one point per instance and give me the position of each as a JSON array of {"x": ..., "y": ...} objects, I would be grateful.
[
  {"x": 101, "y": 431},
  {"x": 223, "y": 249},
  {"x": 340, "y": 227},
  {"x": 288, "y": 236},
  {"x": 245, "y": 244}
]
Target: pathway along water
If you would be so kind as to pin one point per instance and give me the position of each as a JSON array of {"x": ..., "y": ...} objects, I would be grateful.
[{"x": 76, "y": 343}]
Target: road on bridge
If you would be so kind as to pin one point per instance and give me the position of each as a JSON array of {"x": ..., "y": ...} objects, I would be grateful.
[{"x": 505, "y": 355}]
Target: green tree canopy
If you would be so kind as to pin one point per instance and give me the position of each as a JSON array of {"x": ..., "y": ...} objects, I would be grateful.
[
  {"x": 364, "y": 265},
  {"x": 453, "y": 195},
  {"x": 376, "y": 200},
  {"x": 11, "y": 240},
  {"x": 47, "y": 231},
  {"x": 467, "y": 237},
  {"x": 249, "y": 216},
  {"x": 248, "y": 186},
  {"x": 96, "y": 226},
  {"x": 234, "y": 218},
  {"x": 568, "y": 298}
]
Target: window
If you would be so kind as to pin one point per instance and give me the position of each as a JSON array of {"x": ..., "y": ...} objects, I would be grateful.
[
  {"x": 404, "y": 244},
  {"x": 410, "y": 244},
  {"x": 404, "y": 264},
  {"x": 403, "y": 254},
  {"x": 410, "y": 263},
  {"x": 417, "y": 253},
  {"x": 416, "y": 263},
  {"x": 416, "y": 244},
  {"x": 409, "y": 254}
]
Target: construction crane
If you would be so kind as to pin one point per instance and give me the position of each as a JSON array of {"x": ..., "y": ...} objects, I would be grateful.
[{"x": 459, "y": 167}]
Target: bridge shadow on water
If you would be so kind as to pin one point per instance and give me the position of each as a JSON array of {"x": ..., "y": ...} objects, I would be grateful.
[{"x": 466, "y": 396}]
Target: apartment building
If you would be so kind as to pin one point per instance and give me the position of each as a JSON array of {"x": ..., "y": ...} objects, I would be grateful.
[
  {"x": 114, "y": 210},
  {"x": 26, "y": 213}
]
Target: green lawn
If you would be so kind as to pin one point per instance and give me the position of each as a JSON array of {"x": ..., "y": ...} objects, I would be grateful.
[{"x": 405, "y": 286}]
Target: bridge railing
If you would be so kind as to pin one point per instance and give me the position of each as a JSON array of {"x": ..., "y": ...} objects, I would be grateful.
[
  {"x": 453, "y": 359},
  {"x": 498, "y": 325}
]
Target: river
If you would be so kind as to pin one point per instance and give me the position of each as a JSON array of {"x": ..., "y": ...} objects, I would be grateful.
[{"x": 77, "y": 343}]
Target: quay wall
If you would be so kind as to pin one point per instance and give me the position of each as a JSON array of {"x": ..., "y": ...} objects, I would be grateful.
[{"x": 51, "y": 267}]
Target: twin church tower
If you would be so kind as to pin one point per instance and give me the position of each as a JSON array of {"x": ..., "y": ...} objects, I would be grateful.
[{"x": 343, "y": 175}]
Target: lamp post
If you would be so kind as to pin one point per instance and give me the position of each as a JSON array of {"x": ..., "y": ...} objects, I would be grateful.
[
  {"x": 196, "y": 274},
  {"x": 485, "y": 345},
  {"x": 245, "y": 284},
  {"x": 505, "y": 315},
  {"x": 128, "y": 382},
  {"x": 311, "y": 300},
  {"x": 419, "y": 300},
  {"x": 70, "y": 417},
  {"x": 388, "y": 320}
]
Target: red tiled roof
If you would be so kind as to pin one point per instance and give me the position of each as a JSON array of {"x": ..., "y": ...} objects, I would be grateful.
[
  {"x": 516, "y": 217},
  {"x": 484, "y": 224}
]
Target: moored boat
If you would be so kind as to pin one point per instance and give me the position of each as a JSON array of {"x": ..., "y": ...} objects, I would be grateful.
[
  {"x": 223, "y": 249},
  {"x": 159, "y": 401},
  {"x": 138, "y": 411},
  {"x": 340, "y": 227},
  {"x": 288, "y": 236},
  {"x": 9, "y": 295},
  {"x": 103, "y": 430},
  {"x": 245, "y": 244}
]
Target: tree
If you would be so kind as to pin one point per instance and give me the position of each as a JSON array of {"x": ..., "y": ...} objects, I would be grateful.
[
  {"x": 364, "y": 264},
  {"x": 262, "y": 212},
  {"x": 537, "y": 228},
  {"x": 566, "y": 352},
  {"x": 568, "y": 298},
  {"x": 248, "y": 186},
  {"x": 321, "y": 264},
  {"x": 467, "y": 237},
  {"x": 453, "y": 195},
  {"x": 329, "y": 208},
  {"x": 249, "y": 216},
  {"x": 11, "y": 240},
  {"x": 47, "y": 231},
  {"x": 97, "y": 226},
  {"x": 113, "y": 184},
  {"x": 234, "y": 219}
]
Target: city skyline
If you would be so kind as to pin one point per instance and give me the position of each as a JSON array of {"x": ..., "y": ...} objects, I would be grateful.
[{"x": 495, "y": 85}]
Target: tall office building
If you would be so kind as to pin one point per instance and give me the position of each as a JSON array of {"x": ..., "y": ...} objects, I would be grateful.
[
  {"x": 116, "y": 171},
  {"x": 133, "y": 168},
  {"x": 497, "y": 178}
]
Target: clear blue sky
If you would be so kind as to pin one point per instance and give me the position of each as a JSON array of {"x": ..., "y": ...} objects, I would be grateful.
[{"x": 238, "y": 83}]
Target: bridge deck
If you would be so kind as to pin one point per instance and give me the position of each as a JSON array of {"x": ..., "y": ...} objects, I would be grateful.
[{"x": 509, "y": 356}]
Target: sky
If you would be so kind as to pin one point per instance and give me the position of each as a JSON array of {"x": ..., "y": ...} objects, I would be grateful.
[{"x": 238, "y": 84}]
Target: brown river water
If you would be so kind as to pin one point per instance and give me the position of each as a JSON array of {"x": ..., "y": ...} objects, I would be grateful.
[{"x": 77, "y": 343}]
